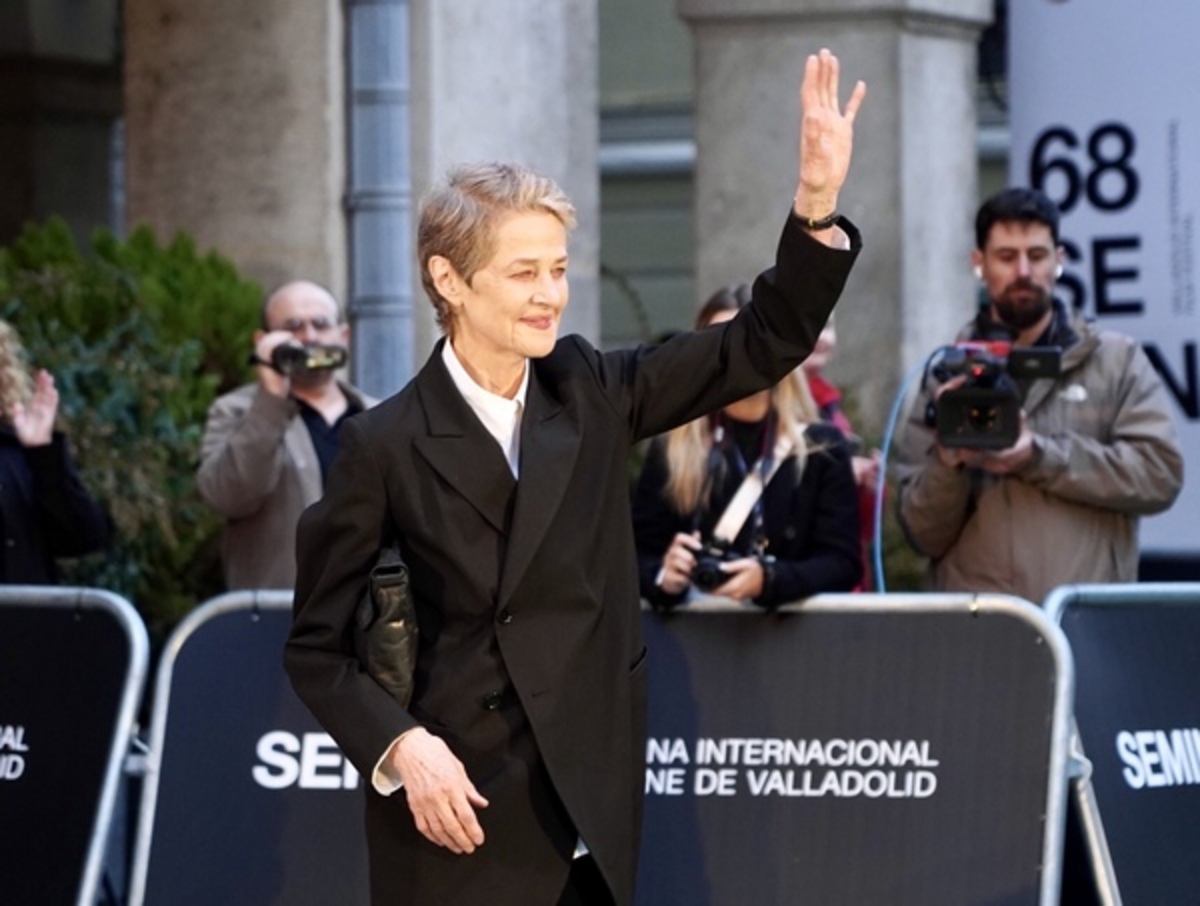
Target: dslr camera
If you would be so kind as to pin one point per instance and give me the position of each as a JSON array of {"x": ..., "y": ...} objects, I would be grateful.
[
  {"x": 289, "y": 358},
  {"x": 985, "y": 412},
  {"x": 707, "y": 573}
]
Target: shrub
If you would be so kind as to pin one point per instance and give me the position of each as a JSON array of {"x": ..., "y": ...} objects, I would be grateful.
[{"x": 140, "y": 338}]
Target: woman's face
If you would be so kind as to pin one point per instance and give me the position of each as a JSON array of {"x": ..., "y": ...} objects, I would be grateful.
[{"x": 511, "y": 308}]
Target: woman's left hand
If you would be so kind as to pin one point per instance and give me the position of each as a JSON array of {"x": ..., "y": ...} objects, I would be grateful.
[
  {"x": 33, "y": 422},
  {"x": 745, "y": 579},
  {"x": 826, "y": 135}
]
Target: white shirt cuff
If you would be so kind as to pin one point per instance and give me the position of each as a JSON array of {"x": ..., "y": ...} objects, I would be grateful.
[{"x": 384, "y": 778}]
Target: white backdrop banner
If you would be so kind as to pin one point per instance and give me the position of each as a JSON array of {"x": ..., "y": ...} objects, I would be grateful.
[{"x": 1104, "y": 105}]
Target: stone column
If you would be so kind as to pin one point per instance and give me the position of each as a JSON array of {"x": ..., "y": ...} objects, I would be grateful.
[
  {"x": 512, "y": 80},
  {"x": 912, "y": 186},
  {"x": 235, "y": 122}
]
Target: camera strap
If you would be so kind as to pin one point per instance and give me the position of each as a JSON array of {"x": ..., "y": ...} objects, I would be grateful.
[{"x": 748, "y": 493}]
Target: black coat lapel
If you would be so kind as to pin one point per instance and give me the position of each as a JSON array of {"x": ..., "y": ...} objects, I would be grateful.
[
  {"x": 459, "y": 448},
  {"x": 550, "y": 440}
]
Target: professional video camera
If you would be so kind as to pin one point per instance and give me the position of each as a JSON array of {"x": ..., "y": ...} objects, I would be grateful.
[
  {"x": 985, "y": 412},
  {"x": 707, "y": 573},
  {"x": 292, "y": 358}
]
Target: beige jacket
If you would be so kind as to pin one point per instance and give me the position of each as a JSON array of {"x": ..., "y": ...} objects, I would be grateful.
[
  {"x": 259, "y": 469},
  {"x": 1106, "y": 453}
]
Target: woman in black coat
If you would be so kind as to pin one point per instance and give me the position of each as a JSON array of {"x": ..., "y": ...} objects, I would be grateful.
[
  {"x": 800, "y": 534},
  {"x": 45, "y": 511},
  {"x": 513, "y": 775}
]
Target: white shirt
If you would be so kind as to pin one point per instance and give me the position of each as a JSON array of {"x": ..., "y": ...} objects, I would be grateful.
[{"x": 500, "y": 415}]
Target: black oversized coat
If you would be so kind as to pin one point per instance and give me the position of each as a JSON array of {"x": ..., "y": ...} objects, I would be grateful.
[
  {"x": 45, "y": 511},
  {"x": 531, "y": 660}
]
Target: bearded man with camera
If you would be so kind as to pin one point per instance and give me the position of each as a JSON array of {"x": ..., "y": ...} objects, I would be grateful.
[
  {"x": 1038, "y": 442},
  {"x": 268, "y": 445}
]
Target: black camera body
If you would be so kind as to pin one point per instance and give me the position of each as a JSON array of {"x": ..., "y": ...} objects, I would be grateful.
[
  {"x": 289, "y": 358},
  {"x": 985, "y": 412},
  {"x": 707, "y": 573}
]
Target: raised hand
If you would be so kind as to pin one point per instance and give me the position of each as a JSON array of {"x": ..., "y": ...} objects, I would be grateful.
[
  {"x": 826, "y": 136},
  {"x": 33, "y": 422}
]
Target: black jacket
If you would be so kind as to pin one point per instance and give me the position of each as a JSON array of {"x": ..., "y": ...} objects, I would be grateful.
[
  {"x": 531, "y": 660},
  {"x": 811, "y": 521},
  {"x": 45, "y": 511}
]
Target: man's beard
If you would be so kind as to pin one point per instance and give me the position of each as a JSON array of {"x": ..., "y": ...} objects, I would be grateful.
[{"x": 1022, "y": 304}]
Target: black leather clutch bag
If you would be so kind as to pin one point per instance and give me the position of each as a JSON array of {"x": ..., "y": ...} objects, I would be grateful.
[{"x": 385, "y": 625}]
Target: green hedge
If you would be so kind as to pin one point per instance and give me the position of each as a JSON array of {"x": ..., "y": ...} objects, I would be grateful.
[{"x": 140, "y": 338}]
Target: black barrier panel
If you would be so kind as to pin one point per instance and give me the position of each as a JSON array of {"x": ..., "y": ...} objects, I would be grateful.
[
  {"x": 868, "y": 753},
  {"x": 251, "y": 803},
  {"x": 73, "y": 664},
  {"x": 1138, "y": 715}
]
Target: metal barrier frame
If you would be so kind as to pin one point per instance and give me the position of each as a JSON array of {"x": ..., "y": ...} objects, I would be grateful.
[
  {"x": 231, "y": 602},
  {"x": 1004, "y": 605},
  {"x": 1055, "y": 605},
  {"x": 995, "y": 604},
  {"x": 125, "y": 727}
]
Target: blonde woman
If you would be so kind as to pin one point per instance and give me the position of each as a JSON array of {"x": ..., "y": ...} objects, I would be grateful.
[
  {"x": 799, "y": 537},
  {"x": 45, "y": 511}
]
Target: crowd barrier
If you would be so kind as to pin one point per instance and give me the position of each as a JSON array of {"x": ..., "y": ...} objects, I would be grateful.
[
  {"x": 72, "y": 670},
  {"x": 245, "y": 801},
  {"x": 856, "y": 749},
  {"x": 1137, "y": 713}
]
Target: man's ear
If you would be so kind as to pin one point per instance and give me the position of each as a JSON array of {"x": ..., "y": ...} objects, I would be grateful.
[
  {"x": 977, "y": 264},
  {"x": 445, "y": 278}
]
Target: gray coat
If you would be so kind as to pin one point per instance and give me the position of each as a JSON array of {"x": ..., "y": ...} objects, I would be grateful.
[
  {"x": 259, "y": 469},
  {"x": 1106, "y": 453}
]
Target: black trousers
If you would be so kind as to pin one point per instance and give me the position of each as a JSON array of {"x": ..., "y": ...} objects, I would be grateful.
[{"x": 585, "y": 885}]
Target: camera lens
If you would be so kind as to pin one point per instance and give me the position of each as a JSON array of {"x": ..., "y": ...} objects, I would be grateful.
[
  {"x": 708, "y": 574},
  {"x": 984, "y": 418}
]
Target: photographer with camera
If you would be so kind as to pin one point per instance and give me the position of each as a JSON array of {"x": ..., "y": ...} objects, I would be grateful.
[
  {"x": 1038, "y": 440},
  {"x": 268, "y": 445},
  {"x": 757, "y": 501}
]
